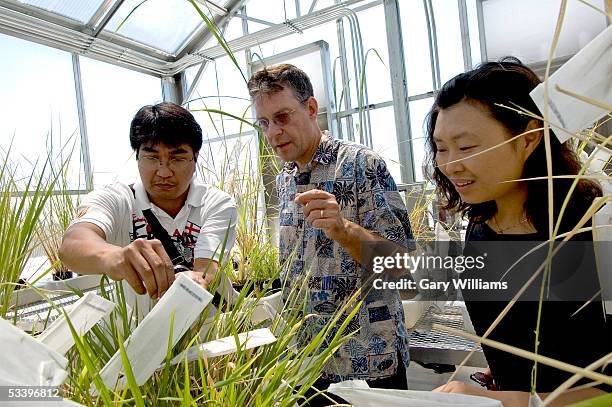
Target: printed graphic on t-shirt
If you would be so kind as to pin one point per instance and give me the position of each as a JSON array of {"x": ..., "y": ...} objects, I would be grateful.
[{"x": 185, "y": 242}]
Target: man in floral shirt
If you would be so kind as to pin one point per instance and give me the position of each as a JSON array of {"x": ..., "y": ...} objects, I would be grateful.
[{"x": 335, "y": 196}]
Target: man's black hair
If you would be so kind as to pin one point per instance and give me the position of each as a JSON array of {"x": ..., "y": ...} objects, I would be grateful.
[{"x": 165, "y": 123}]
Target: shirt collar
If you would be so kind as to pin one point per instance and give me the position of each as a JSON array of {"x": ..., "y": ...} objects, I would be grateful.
[
  {"x": 194, "y": 196},
  {"x": 319, "y": 156}
]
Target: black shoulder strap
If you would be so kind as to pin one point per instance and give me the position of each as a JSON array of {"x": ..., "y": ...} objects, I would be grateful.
[{"x": 162, "y": 235}]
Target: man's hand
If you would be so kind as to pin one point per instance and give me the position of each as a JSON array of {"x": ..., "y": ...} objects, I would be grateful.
[
  {"x": 204, "y": 272},
  {"x": 144, "y": 264},
  {"x": 323, "y": 212}
]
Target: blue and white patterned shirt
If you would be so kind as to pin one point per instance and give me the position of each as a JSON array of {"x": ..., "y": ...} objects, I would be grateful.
[{"x": 367, "y": 196}]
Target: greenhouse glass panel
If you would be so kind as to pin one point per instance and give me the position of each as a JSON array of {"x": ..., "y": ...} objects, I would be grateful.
[
  {"x": 230, "y": 162},
  {"x": 472, "y": 13},
  {"x": 112, "y": 96},
  {"x": 273, "y": 11},
  {"x": 377, "y": 76},
  {"x": 222, "y": 87},
  {"x": 234, "y": 29},
  {"x": 163, "y": 24},
  {"x": 80, "y": 10},
  {"x": 320, "y": 5},
  {"x": 384, "y": 140},
  {"x": 450, "y": 50},
  {"x": 418, "y": 112},
  {"x": 326, "y": 32},
  {"x": 525, "y": 29},
  {"x": 416, "y": 47},
  {"x": 39, "y": 111}
]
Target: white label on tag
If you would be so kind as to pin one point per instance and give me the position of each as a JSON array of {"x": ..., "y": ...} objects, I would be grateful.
[
  {"x": 83, "y": 315},
  {"x": 588, "y": 73},
  {"x": 224, "y": 346},
  {"x": 147, "y": 346},
  {"x": 27, "y": 362}
]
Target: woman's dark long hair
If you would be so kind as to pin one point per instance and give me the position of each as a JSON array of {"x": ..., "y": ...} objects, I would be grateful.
[{"x": 509, "y": 82}]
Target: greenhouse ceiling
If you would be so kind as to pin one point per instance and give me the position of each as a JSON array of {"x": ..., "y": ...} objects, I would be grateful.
[{"x": 158, "y": 37}]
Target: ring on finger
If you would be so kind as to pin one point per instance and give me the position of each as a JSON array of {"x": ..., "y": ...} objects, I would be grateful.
[{"x": 321, "y": 213}]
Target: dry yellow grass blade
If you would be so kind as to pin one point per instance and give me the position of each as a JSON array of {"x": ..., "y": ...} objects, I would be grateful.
[
  {"x": 595, "y": 177},
  {"x": 572, "y": 380},
  {"x": 585, "y": 99},
  {"x": 566, "y": 367},
  {"x": 605, "y": 13},
  {"x": 510, "y": 140}
]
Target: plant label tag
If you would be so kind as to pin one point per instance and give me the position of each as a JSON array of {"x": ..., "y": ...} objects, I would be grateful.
[
  {"x": 227, "y": 345},
  {"x": 146, "y": 347},
  {"x": 588, "y": 73},
  {"x": 602, "y": 236},
  {"x": 83, "y": 315},
  {"x": 27, "y": 362},
  {"x": 359, "y": 394}
]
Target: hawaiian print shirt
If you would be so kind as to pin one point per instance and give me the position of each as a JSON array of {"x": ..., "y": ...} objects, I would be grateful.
[{"x": 367, "y": 196}]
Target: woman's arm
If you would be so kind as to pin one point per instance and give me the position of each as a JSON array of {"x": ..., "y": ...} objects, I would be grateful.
[{"x": 518, "y": 398}]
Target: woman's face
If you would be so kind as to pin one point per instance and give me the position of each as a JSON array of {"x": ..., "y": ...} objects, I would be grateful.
[{"x": 466, "y": 129}]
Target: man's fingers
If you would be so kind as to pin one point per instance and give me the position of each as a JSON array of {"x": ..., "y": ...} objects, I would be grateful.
[
  {"x": 167, "y": 267},
  {"x": 323, "y": 223},
  {"x": 142, "y": 267},
  {"x": 133, "y": 279},
  {"x": 158, "y": 267},
  {"x": 305, "y": 197}
]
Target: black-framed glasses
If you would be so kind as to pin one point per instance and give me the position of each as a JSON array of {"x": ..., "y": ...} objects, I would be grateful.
[
  {"x": 280, "y": 119},
  {"x": 175, "y": 163}
]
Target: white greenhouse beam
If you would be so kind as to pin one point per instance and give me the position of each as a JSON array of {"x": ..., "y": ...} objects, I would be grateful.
[
  {"x": 104, "y": 14},
  {"x": 399, "y": 89},
  {"x": 214, "y": 7}
]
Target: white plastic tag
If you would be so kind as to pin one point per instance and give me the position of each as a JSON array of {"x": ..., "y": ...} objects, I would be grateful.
[
  {"x": 359, "y": 394},
  {"x": 83, "y": 315},
  {"x": 27, "y": 362},
  {"x": 535, "y": 401},
  {"x": 147, "y": 346},
  {"x": 588, "y": 73},
  {"x": 224, "y": 346},
  {"x": 602, "y": 238}
]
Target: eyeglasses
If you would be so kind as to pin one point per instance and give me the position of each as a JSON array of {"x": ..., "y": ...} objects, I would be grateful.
[
  {"x": 280, "y": 119},
  {"x": 176, "y": 163}
]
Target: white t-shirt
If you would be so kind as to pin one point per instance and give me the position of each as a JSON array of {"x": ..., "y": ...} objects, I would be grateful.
[
  {"x": 204, "y": 224},
  {"x": 202, "y": 227}
]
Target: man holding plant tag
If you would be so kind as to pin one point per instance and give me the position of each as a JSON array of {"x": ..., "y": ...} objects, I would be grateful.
[
  {"x": 140, "y": 232},
  {"x": 334, "y": 196}
]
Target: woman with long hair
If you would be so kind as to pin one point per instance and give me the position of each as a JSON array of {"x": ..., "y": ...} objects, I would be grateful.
[{"x": 479, "y": 149}]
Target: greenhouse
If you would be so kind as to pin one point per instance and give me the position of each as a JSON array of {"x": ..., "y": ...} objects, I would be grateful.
[{"x": 306, "y": 203}]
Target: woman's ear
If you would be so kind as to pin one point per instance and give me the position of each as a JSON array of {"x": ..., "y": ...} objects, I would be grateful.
[{"x": 532, "y": 136}]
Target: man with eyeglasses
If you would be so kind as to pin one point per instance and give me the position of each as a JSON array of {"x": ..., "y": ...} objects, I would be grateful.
[
  {"x": 334, "y": 196},
  {"x": 139, "y": 232}
]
